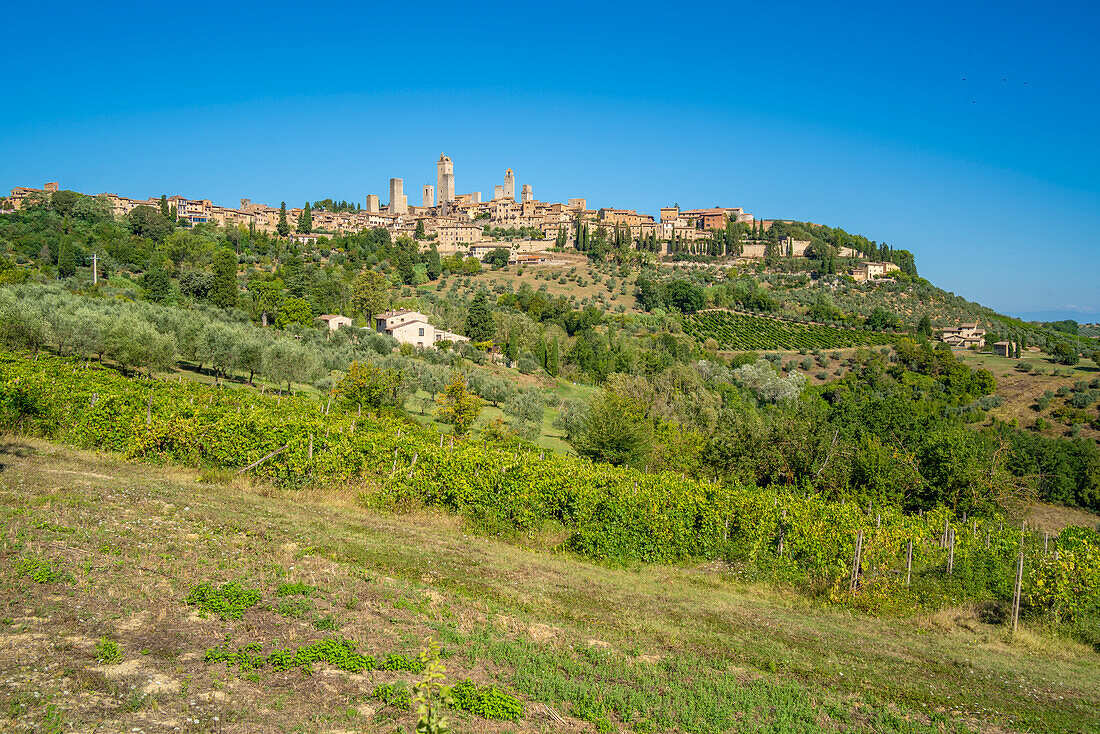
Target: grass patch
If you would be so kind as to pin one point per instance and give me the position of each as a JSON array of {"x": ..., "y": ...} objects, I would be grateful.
[{"x": 228, "y": 601}]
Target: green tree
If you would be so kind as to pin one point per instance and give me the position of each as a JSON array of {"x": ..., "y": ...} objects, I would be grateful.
[
  {"x": 553, "y": 359},
  {"x": 615, "y": 430},
  {"x": 294, "y": 311},
  {"x": 267, "y": 298},
  {"x": 924, "y": 326},
  {"x": 370, "y": 294},
  {"x": 145, "y": 221},
  {"x": 418, "y": 233},
  {"x": 480, "y": 326},
  {"x": 157, "y": 284},
  {"x": 525, "y": 408},
  {"x": 434, "y": 265},
  {"x": 282, "y": 227},
  {"x": 685, "y": 296},
  {"x": 457, "y": 405},
  {"x": 497, "y": 258},
  {"x": 305, "y": 220},
  {"x": 1065, "y": 353},
  {"x": 224, "y": 292}
]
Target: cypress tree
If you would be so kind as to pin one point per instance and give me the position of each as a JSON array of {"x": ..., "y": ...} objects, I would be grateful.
[{"x": 282, "y": 227}]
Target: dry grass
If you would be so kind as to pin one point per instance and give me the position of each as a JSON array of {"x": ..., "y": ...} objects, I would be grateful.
[{"x": 135, "y": 538}]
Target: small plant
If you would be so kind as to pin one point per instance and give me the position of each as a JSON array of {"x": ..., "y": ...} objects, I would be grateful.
[
  {"x": 42, "y": 572},
  {"x": 296, "y": 589},
  {"x": 394, "y": 694},
  {"x": 107, "y": 651},
  {"x": 431, "y": 694},
  {"x": 293, "y": 608},
  {"x": 396, "y": 662},
  {"x": 326, "y": 623},
  {"x": 229, "y": 601},
  {"x": 486, "y": 701}
]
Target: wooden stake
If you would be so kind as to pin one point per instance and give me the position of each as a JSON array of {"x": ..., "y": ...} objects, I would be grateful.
[
  {"x": 908, "y": 562},
  {"x": 255, "y": 464},
  {"x": 311, "y": 447},
  {"x": 951, "y": 552},
  {"x": 149, "y": 409},
  {"x": 1019, "y": 585},
  {"x": 855, "y": 562}
]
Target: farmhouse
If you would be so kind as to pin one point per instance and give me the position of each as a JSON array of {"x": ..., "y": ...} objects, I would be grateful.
[
  {"x": 412, "y": 327},
  {"x": 335, "y": 321},
  {"x": 966, "y": 336},
  {"x": 870, "y": 270}
]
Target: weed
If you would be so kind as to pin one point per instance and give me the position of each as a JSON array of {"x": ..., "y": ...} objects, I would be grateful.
[
  {"x": 400, "y": 662},
  {"x": 294, "y": 608},
  {"x": 327, "y": 622},
  {"x": 486, "y": 701},
  {"x": 297, "y": 589},
  {"x": 228, "y": 601},
  {"x": 41, "y": 571},
  {"x": 393, "y": 694},
  {"x": 107, "y": 651}
]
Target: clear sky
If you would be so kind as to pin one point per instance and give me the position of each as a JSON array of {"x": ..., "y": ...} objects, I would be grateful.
[{"x": 963, "y": 131}]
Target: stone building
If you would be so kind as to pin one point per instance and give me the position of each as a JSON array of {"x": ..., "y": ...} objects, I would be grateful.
[
  {"x": 527, "y": 195},
  {"x": 498, "y": 192},
  {"x": 429, "y": 196},
  {"x": 445, "y": 179},
  {"x": 372, "y": 204},
  {"x": 509, "y": 184},
  {"x": 398, "y": 203}
]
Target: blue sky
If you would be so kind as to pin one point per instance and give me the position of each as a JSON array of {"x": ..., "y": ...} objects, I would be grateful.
[{"x": 965, "y": 132}]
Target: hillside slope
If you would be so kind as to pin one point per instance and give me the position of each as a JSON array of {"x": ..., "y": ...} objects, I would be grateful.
[{"x": 642, "y": 648}]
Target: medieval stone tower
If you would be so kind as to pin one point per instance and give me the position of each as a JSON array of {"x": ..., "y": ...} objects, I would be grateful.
[
  {"x": 445, "y": 181},
  {"x": 398, "y": 202},
  {"x": 526, "y": 195},
  {"x": 429, "y": 195},
  {"x": 509, "y": 185}
]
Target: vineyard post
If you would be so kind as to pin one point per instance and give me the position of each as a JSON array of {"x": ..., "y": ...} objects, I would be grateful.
[
  {"x": 149, "y": 409},
  {"x": 878, "y": 520},
  {"x": 951, "y": 552},
  {"x": 908, "y": 561},
  {"x": 987, "y": 537},
  {"x": 311, "y": 447},
  {"x": 1019, "y": 585},
  {"x": 329, "y": 404},
  {"x": 782, "y": 534},
  {"x": 943, "y": 538},
  {"x": 1046, "y": 542},
  {"x": 855, "y": 562}
]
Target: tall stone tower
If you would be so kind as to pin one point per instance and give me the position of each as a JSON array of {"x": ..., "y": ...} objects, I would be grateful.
[
  {"x": 445, "y": 181},
  {"x": 429, "y": 195},
  {"x": 526, "y": 195},
  {"x": 398, "y": 202},
  {"x": 509, "y": 185},
  {"x": 372, "y": 204},
  {"x": 498, "y": 192}
]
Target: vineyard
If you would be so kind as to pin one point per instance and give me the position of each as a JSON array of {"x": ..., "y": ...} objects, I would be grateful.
[
  {"x": 608, "y": 514},
  {"x": 745, "y": 332}
]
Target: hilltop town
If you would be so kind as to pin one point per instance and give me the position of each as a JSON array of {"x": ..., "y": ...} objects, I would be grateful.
[{"x": 469, "y": 223}]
